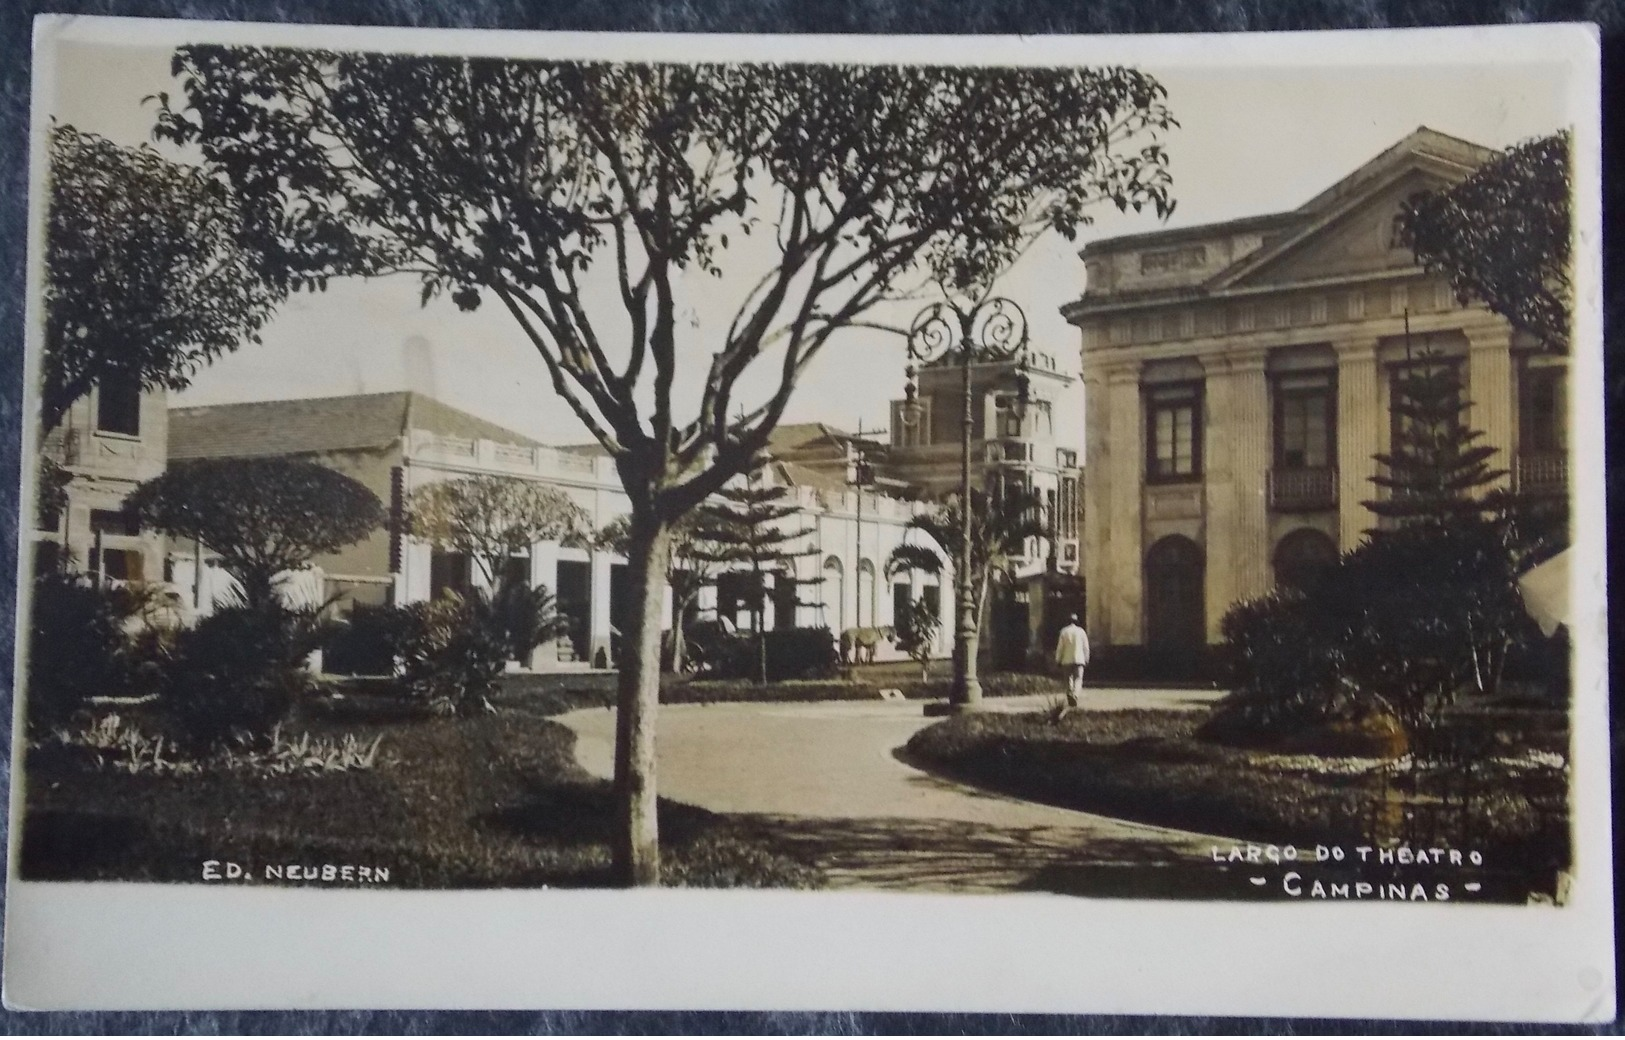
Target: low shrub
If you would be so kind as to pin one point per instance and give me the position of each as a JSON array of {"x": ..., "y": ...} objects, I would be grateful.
[
  {"x": 116, "y": 744},
  {"x": 1404, "y": 625},
  {"x": 80, "y": 647},
  {"x": 456, "y": 648},
  {"x": 450, "y": 660},
  {"x": 241, "y": 670},
  {"x": 367, "y": 642},
  {"x": 801, "y": 653}
]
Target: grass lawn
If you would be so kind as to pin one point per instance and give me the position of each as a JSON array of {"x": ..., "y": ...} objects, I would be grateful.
[
  {"x": 1148, "y": 766},
  {"x": 494, "y": 801}
]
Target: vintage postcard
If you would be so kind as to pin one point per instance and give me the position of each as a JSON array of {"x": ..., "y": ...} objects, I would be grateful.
[{"x": 1071, "y": 524}]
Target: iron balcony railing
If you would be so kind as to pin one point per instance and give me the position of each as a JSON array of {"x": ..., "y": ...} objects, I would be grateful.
[
  {"x": 1544, "y": 472},
  {"x": 1305, "y": 489}
]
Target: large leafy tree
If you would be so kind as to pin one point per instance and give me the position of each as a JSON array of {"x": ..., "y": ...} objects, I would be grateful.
[
  {"x": 1503, "y": 235},
  {"x": 494, "y": 519},
  {"x": 145, "y": 278},
  {"x": 591, "y": 201},
  {"x": 1000, "y": 525},
  {"x": 262, "y": 516}
]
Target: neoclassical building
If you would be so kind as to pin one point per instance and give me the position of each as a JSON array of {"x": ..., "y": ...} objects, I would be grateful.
[{"x": 1240, "y": 379}]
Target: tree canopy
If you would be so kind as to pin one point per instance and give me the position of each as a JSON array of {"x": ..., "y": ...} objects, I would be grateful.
[
  {"x": 262, "y": 516},
  {"x": 519, "y": 181},
  {"x": 1438, "y": 471},
  {"x": 493, "y": 519},
  {"x": 1503, "y": 235},
  {"x": 752, "y": 526},
  {"x": 598, "y": 203},
  {"x": 144, "y": 276}
]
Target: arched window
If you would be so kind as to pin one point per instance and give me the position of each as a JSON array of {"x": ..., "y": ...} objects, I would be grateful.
[
  {"x": 1302, "y": 558},
  {"x": 1175, "y": 618},
  {"x": 833, "y": 590},
  {"x": 867, "y": 598},
  {"x": 785, "y": 598}
]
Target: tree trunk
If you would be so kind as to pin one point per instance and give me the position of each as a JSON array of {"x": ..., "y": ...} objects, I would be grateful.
[
  {"x": 636, "y": 848},
  {"x": 677, "y": 641},
  {"x": 258, "y": 588}
]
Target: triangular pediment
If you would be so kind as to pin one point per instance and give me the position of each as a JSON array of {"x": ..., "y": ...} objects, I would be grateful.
[{"x": 1348, "y": 229}]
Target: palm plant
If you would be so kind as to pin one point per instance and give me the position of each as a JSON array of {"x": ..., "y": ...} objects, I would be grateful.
[{"x": 1000, "y": 525}]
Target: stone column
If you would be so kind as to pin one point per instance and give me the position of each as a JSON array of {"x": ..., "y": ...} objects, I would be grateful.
[
  {"x": 1234, "y": 471},
  {"x": 1096, "y": 488},
  {"x": 544, "y": 570},
  {"x": 1362, "y": 431},
  {"x": 1123, "y": 513},
  {"x": 599, "y": 628},
  {"x": 1490, "y": 388}
]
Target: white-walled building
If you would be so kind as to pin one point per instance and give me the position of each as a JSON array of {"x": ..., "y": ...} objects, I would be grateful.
[
  {"x": 108, "y": 442},
  {"x": 395, "y": 443}
]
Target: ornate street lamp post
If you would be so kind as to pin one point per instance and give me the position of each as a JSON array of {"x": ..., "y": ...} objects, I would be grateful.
[{"x": 992, "y": 330}]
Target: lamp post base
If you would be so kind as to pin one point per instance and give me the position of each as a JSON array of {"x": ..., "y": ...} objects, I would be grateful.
[
  {"x": 935, "y": 709},
  {"x": 961, "y": 702}
]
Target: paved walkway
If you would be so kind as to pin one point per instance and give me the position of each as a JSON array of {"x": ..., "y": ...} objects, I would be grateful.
[{"x": 824, "y": 780}]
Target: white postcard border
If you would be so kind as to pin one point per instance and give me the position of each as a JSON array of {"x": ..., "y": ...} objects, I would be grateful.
[{"x": 133, "y": 946}]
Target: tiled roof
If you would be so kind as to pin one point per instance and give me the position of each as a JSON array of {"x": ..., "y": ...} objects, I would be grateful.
[
  {"x": 795, "y": 436},
  {"x": 797, "y": 475},
  {"x": 317, "y": 424},
  {"x": 1423, "y": 141}
]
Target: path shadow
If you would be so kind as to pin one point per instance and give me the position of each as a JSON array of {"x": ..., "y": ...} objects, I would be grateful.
[
  {"x": 584, "y": 811},
  {"x": 952, "y": 856}
]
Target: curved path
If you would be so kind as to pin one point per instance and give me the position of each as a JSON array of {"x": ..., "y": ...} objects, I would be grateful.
[{"x": 823, "y": 781}]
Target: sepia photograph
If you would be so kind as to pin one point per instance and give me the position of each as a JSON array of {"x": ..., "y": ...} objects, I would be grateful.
[{"x": 552, "y": 464}]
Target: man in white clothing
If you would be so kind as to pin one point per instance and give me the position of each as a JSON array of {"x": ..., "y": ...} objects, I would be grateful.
[{"x": 1072, "y": 654}]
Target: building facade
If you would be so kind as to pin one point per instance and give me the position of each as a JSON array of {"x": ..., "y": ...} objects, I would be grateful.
[
  {"x": 109, "y": 441},
  {"x": 1240, "y": 378},
  {"x": 396, "y": 443},
  {"x": 1014, "y": 443}
]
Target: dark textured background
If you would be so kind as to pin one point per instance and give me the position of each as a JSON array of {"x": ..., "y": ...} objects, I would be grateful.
[{"x": 829, "y": 16}]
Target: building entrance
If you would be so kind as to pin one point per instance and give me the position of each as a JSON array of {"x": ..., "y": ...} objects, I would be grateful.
[{"x": 1175, "y": 621}]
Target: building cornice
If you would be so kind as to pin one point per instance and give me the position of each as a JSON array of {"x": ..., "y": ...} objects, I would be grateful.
[
  {"x": 1369, "y": 329},
  {"x": 1081, "y": 308}
]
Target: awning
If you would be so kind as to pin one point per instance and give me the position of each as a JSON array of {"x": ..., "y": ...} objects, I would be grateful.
[{"x": 1545, "y": 592}]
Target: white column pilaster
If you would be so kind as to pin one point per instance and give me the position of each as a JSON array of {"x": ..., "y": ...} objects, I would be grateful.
[
  {"x": 1096, "y": 488},
  {"x": 1235, "y": 472},
  {"x": 1490, "y": 388},
  {"x": 1122, "y": 568},
  {"x": 1361, "y": 433},
  {"x": 601, "y": 562}
]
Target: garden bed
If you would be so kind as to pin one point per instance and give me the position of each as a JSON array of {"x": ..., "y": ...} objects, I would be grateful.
[
  {"x": 558, "y": 692},
  {"x": 494, "y": 801},
  {"x": 1148, "y": 766}
]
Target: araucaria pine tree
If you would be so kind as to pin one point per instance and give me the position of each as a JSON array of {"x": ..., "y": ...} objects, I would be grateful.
[
  {"x": 749, "y": 527},
  {"x": 1438, "y": 470}
]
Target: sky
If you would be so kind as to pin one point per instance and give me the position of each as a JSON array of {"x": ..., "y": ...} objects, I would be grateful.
[{"x": 1250, "y": 141}]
